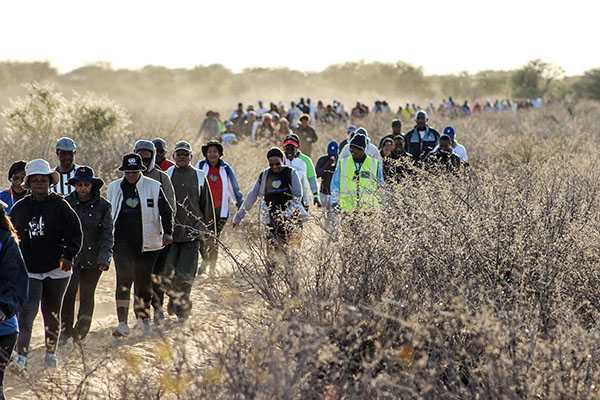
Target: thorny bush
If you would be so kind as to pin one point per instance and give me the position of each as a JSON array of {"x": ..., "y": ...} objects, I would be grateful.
[{"x": 478, "y": 285}]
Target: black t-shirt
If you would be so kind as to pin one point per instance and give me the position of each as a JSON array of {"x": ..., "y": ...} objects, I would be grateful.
[
  {"x": 128, "y": 227},
  {"x": 278, "y": 189}
]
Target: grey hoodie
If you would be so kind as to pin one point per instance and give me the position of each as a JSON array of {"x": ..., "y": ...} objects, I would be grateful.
[{"x": 157, "y": 174}]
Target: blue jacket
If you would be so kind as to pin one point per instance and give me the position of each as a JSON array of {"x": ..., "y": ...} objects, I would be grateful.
[
  {"x": 235, "y": 187},
  {"x": 14, "y": 281},
  {"x": 7, "y": 198}
]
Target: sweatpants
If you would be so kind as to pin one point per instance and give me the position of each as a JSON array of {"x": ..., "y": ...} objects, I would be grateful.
[
  {"x": 209, "y": 248},
  {"x": 179, "y": 273},
  {"x": 50, "y": 293},
  {"x": 85, "y": 280},
  {"x": 7, "y": 344},
  {"x": 133, "y": 268},
  {"x": 158, "y": 286}
]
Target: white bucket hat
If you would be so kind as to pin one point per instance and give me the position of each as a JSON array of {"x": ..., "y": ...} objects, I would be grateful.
[{"x": 40, "y": 167}]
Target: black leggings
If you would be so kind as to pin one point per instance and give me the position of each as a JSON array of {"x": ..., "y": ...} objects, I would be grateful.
[
  {"x": 134, "y": 268},
  {"x": 85, "y": 280},
  {"x": 158, "y": 286},
  {"x": 7, "y": 344},
  {"x": 50, "y": 293}
]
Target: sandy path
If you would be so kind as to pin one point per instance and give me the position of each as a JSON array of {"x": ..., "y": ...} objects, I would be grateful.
[{"x": 212, "y": 309}]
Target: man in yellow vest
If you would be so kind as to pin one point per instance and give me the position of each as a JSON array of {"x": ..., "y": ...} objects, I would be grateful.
[{"x": 356, "y": 180}]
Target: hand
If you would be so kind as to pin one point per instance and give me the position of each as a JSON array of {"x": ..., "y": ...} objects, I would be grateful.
[
  {"x": 167, "y": 239},
  {"x": 317, "y": 201},
  {"x": 2, "y": 316},
  {"x": 65, "y": 265},
  {"x": 103, "y": 267}
]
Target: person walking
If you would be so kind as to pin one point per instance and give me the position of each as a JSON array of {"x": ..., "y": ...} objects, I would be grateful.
[
  {"x": 148, "y": 152},
  {"x": 142, "y": 219},
  {"x": 311, "y": 175},
  {"x": 195, "y": 222},
  {"x": 94, "y": 213},
  {"x": 16, "y": 191},
  {"x": 389, "y": 163},
  {"x": 307, "y": 134},
  {"x": 357, "y": 179},
  {"x": 422, "y": 139},
  {"x": 14, "y": 284},
  {"x": 50, "y": 239},
  {"x": 324, "y": 170},
  {"x": 162, "y": 161},
  {"x": 292, "y": 159},
  {"x": 457, "y": 148},
  {"x": 280, "y": 193},
  {"x": 65, "y": 151},
  {"x": 224, "y": 187}
]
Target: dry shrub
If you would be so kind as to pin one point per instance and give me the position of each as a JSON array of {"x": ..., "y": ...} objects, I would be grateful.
[{"x": 482, "y": 285}]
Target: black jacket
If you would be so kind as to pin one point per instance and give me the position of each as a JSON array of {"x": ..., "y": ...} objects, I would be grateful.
[
  {"x": 441, "y": 161},
  {"x": 97, "y": 226},
  {"x": 417, "y": 147},
  {"x": 325, "y": 169},
  {"x": 49, "y": 230},
  {"x": 13, "y": 276}
]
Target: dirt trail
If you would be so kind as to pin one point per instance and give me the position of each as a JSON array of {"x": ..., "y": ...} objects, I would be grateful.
[{"x": 213, "y": 310}]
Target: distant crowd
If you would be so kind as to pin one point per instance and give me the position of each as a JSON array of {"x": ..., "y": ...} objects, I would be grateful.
[{"x": 275, "y": 121}]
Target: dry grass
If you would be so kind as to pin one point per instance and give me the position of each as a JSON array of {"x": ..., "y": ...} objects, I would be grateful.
[{"x": 478, "y": 286}]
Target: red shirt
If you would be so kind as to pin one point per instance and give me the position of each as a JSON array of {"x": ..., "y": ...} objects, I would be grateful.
[
  {"x": 165, "y": 164},
  {"x": 216, "y": 185}
]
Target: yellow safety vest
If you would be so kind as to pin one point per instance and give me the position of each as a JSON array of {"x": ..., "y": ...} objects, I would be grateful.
[{"x": 358, "y": 190}]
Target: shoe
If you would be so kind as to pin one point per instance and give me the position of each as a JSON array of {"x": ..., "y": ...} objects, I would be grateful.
[
  {"x": 20, "y": 362},
  {"x": 51, "y": 361},
  {"x": 122, "y": 330}
]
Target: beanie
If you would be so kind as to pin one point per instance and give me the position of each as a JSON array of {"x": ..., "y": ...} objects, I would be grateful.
[{"x": 359, "y": 141}]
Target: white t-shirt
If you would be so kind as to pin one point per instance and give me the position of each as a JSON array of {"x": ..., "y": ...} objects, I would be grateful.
[
  {"x": 460, "y": 151},
  {"x": 422, "y": 134},
  {"x": 300, "y": 167}
]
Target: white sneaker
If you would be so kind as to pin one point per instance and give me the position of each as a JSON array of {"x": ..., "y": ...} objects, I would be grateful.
[
  {"x": 122, "y": 330},
  {"x": 51, "y": 361},
  {"x": 20, "y": 362}
]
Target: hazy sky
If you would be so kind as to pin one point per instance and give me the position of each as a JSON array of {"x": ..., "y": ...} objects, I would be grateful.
[{"x": 441, "y": 36}]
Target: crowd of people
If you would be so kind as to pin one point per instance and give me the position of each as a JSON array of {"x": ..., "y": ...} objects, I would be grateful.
[
  {"x": 160, "y": 222},
  {"x": 274, "y": 122}
]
